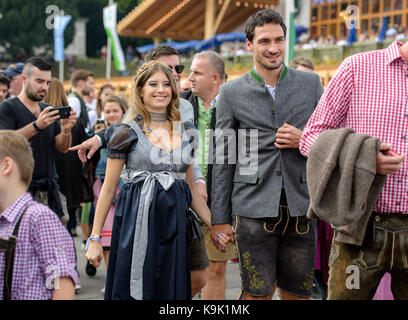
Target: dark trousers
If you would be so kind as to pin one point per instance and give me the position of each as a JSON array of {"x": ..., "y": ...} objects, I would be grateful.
[{"x": 72, "y": 222}]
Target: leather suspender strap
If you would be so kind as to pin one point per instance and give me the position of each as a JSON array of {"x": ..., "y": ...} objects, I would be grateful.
[{"x": 9, "y": 246}]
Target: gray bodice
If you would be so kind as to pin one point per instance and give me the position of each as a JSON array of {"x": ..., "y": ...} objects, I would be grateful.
[{"x": 127, "y": 141}]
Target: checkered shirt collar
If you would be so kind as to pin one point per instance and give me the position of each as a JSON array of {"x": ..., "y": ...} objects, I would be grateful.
[
  {"x": 12, "y": 212},
  {"x": 393, "y": 52}
]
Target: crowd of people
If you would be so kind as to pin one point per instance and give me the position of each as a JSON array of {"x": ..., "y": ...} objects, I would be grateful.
[
  {"x": 392, "y": 33},
  {"x": 296, "y": 182}
]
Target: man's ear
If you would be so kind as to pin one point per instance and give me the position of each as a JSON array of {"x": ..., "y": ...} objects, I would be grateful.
[
  {"x": 24, "y": 78},
  {"x": 249, "y": 45},
  {"x": 216, "y": 77}
]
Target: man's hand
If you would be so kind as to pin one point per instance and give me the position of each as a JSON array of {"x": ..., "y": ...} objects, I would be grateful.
[
  {"x": 92, "y": 144},
  {"x": 68, "y": 123},
  {"x": 217, "y": 229},
  {"x": 288, "y": 137},
  {"x": 388, "y": 164},
  {"x": 46, "y": 118},
  {"x": 202, "y": 190}
]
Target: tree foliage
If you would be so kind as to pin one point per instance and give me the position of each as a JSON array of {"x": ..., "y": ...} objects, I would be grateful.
[
  {"x": 23, "y": 24},
  {"x": 93, "y": 10}
]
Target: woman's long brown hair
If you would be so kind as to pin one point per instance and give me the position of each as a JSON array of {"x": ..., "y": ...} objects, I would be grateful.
[{"x": 56, "y": 94}]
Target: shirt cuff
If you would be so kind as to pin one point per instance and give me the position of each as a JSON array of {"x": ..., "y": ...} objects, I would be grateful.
[
  {"x": 99, "y": 139},
  {"x": 200, "y": 180}
]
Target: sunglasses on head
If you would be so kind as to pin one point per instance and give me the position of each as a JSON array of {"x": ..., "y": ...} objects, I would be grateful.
[{"x": 179, "y": 68}]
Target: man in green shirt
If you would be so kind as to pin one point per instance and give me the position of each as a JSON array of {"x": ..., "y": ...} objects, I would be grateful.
[{"x": 206, "y": 77}]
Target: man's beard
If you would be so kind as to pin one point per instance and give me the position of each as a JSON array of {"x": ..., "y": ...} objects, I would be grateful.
[
  {"x": 32, "y": 95},
  {"x": 85, "y": 92},
  {"x": 269, "y": 66}
]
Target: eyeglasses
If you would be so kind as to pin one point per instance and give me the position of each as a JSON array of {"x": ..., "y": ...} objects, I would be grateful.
[{"x": 179, "y": 68}]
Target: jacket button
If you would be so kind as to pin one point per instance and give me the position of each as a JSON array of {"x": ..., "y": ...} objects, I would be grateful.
[
  {"x": 377, "y": 218},
  {"x": 278, "y": 172}
]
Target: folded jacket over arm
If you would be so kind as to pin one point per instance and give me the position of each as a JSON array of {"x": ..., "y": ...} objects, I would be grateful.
[{"x": 343, "y": 183}]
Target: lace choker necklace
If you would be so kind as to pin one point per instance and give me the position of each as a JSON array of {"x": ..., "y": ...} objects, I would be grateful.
[{"x": 158, "y": 116}]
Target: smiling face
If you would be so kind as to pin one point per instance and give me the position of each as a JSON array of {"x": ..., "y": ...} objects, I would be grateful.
[
  {"x": 268, "y": 46},
  {"x": 156, "y": 92},
  {"x": 113, "y": 112}
]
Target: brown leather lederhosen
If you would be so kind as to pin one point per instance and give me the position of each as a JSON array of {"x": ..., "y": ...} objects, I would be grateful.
[{"x": 8, "y": 246}]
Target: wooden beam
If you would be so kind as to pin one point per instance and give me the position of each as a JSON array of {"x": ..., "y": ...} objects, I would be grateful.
[
  {"x": 221, "y": 15},
  {"x": 236, "y": 18},
  {"x": 184, "y": 23},
  {"x": 209, "y": 18}
]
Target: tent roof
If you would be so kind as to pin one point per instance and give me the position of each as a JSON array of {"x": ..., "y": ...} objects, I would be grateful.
[{"x": 185, "y": 19}]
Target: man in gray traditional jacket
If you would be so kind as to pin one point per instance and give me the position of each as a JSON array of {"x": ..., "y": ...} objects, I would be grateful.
[{"x": 262, "y": 115}]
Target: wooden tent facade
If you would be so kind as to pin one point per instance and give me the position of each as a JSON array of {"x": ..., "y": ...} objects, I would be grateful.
[{"x": 188, "y": 19}]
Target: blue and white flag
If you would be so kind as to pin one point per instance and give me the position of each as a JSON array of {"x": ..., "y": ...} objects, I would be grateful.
[{"x": 60, "y": 23}]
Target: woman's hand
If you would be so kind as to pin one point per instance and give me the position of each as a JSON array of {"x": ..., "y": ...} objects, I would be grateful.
[
  {"x": 223, "y": 240},
  {"x": 95, "y": 253}
]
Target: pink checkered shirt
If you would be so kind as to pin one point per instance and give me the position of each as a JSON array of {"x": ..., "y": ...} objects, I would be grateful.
[
  {"x": 368, "y": 93},
  {"x": 44, "y": 250}
]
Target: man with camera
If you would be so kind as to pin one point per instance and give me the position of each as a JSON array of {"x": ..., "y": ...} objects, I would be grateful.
[{"x": 37, "y": 122}]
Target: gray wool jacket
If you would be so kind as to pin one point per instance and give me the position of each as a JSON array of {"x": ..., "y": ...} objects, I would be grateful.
[
  {"x": 343, "y": 183},
  {"x": 249, "y": 172}
]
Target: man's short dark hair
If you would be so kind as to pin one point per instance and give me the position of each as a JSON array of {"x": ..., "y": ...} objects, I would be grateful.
[
  {"x": 78, "y": 75},
  {"x": 301, "y": 61},
  {"x": 5, "y": 80},
  {"x": 37, "y": 62},
  {"x": 259, "y": 19},
  {"x": 160, "y": 51}
]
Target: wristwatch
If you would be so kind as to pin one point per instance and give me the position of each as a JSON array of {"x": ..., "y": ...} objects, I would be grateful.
[
  {"x": 92, "y": 238},
  {"x": 35, "y": 126}
]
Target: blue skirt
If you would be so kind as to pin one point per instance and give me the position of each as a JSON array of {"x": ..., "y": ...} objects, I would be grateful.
[{"x": 166, "y": 275}]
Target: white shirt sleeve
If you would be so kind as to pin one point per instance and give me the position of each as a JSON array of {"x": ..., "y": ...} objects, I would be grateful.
[
  {"x": 186, "y": 111},
  {"x": 93, "y": 116},
  {"x": 75, "y": 104}
]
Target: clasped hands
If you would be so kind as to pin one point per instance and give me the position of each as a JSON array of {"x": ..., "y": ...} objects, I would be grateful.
[{"x": 221, "y": 234}]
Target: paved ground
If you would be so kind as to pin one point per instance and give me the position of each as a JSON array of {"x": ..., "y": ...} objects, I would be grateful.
[{"x": 92, "y": 286}]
